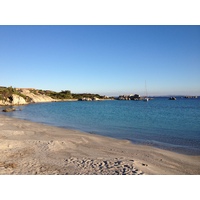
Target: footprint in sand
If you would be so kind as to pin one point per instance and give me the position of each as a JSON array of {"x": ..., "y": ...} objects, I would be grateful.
[{"x": 102, "y": 167}]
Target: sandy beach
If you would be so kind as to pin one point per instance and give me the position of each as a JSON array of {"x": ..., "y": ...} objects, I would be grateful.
[{"x": 33, "y": 148}]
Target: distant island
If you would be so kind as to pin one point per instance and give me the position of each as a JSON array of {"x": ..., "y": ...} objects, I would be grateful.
[{"x": 22, "y": 96}]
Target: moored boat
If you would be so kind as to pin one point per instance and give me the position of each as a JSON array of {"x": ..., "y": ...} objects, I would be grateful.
[
  {"x": 146, "y": 99},
  {"x": 172, "y": 98}
]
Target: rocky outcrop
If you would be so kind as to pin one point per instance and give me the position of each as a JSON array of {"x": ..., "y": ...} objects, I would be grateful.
[
  {"x": 14, "y": 99},
  {"x": 95, "y": 99},
  {"x": 20, "y": 96},
  {"x": 18, "y": 100},
  {"x": 85, "y": 99},
  {"x": 36, "y": 98},
  {"x": 129, "y": 97},
  {"x": 89, "y": 99}
]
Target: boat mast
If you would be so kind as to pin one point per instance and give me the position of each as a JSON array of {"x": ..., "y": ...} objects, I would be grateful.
[{"x": 146, "y": 89}]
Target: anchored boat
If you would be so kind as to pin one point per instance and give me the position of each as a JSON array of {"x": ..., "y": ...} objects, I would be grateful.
[{"x": 172, "y": 98}]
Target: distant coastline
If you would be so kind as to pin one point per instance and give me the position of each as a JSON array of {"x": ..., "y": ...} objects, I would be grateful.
[{"x": 10, "y": 96}]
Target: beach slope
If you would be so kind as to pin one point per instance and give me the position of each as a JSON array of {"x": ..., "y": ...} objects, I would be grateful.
[{"x": 33, "y": 148}]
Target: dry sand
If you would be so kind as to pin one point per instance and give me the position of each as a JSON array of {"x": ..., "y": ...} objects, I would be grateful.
[{"x": 32, "y": 148}]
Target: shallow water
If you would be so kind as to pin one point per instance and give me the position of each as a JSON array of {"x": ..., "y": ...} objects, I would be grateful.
[{"x": 172, "y": 125}]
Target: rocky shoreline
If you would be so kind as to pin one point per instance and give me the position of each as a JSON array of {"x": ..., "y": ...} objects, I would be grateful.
[
  {"x": 12, "y": 97},
  {"x": 22, "y": 96}
]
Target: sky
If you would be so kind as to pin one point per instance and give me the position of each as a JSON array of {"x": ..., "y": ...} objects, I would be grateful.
[{"x": 109, "y": 60}]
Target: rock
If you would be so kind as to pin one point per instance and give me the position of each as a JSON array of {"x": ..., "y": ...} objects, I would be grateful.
[
  {"x": 36, "y": 98},
  {"x": 85, "y": 99},
  {"x": 9, "y": 110},
  {"x": 95, "y": 99},
  {"x": 14, "y": 99},
  {"x": 18, "y": 100}
]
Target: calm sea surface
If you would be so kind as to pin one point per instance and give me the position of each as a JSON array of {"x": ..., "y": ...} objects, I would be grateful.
[{"x": 172, "y": 125}]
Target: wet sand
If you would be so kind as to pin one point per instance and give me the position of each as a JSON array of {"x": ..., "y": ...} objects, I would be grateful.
[{"x": 33, "y": 148}]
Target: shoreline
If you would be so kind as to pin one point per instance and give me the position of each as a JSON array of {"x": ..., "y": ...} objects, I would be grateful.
[
  {"x": 52, "y": 101},
  {"x": 155, "y": 145},
  {"x": 34, "y": 148}
]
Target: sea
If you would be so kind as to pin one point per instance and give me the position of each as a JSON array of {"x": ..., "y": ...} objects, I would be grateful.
[{"x": 167, "y": 124}]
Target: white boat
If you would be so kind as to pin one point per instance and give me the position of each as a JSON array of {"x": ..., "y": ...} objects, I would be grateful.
[{"x": 172, "y": 98}]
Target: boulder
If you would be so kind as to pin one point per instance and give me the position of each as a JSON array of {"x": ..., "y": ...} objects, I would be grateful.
[
  {"x": 18, "y": 100},
  {"x": 14, "y": 99},
  {"x": 9, "y": 110}
]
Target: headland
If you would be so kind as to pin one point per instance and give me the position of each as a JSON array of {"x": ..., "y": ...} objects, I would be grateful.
[{"x": 10, "y": 96}]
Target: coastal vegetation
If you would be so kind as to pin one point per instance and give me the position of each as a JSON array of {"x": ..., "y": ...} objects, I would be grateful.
[
  {"x": 66, "y": 94},
  {"x": 7, "y": 92}
]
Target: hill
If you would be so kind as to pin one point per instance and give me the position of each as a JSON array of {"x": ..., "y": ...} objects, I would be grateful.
[{"x": 21, "y": 96}]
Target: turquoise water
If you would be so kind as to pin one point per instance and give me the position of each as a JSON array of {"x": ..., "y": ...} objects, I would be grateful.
[{"x": 172, "y": 125}]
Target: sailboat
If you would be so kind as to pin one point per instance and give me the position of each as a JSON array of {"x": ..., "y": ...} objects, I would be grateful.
[{"x": 146, "y": 98}]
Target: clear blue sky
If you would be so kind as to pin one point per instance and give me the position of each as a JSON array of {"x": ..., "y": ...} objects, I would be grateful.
[{"x": 109, "y": 60}]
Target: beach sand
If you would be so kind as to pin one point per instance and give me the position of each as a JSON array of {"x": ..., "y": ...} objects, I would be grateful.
[{"x": 33, "y": 148}]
